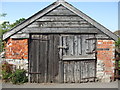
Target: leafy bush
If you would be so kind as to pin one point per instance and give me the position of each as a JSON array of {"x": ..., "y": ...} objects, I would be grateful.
[
  {"x": 6, "y": 71},
  {"x": 117, "y": 43},
  {"x": 19, "y": 76},
  {"x": 15, "y": 76}
]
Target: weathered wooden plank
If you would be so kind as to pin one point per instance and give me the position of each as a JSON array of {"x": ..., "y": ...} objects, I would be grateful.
[
  {"x": 51, "y": 58},
  {"x": 45, "y": 59},
  {"x": 64, "y": 45},
  {"x": 82, "y": 70},
  {"x": 78, "y": 71},
  {"x": 65, "y": 71},
  {"x": 56, "y": 58},
  {"x": 30, "y": 59},
  {"x": 83, "y": 44},
  {"x": 60, "y": 51},
  {"x": 75, "y": 72},
  {"x": 81, "y": 57},
  {"x": 60, "y": 18},
  {"x": 69, "y": 72},
  {"x": 61, "y": 11},
  {"x": 75, "y": 45},
  {"x": 34, "y": 62},
  {"x": 37, "y": 61},
  {"x": 87, "y": 43},
  {"x": 79, "y": 45},
  {"x": 23, "y": 35},
  {"x": 71, "y": 45},
  {"x": 58, "y": 24},
  {"x": 61, "y": 72},
  {"x": 42, "y": 68},
  {"x": 60, "y": 30},
  {"x": 72, "y": 71}
]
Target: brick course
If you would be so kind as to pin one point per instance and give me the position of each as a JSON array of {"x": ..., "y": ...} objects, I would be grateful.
[
  {"x": 16, "y": 49},
  {"x": 106, "y": 56}
]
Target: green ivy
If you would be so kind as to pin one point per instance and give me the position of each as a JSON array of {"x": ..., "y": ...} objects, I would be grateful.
[{"x": 117, "y": 43}]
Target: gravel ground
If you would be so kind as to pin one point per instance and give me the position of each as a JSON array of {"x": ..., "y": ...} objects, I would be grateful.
[{"x": 73, "y": 85}]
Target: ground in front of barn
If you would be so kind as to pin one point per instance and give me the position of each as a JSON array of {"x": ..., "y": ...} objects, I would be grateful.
[{"x": 64, "y": 85}]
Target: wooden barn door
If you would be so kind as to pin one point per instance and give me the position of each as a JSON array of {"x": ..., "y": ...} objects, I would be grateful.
[
  {"x": 78, "y": 55},
  {"x": 43, "y": 58}
]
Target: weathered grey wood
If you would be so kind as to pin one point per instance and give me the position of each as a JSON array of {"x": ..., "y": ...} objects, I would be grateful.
[
  {"x": 60, "y": 51},
  {"x": 60, "y": 30},
  {"x": 20, "y": 36},
  {"x": 65, "y": 72},
  {"x": 57, "y": 24},
  {"x": 82, "y": 57},
  {"x": 70, "y": 72},
  {"x": 79, "y": 45},
  {"x": 75, "y": 72},
  {"x": 61, "y": 72},
  {"x": 64, "y": 45},
  {"x": 30, "y": 20},
  {"x": 56, "y": 59},
  {"x": 72, "y": 75},
  {"x": 51, "y": 58},
  {"x": 61, "y": 12},
  {"x": 44, "y": 68},
  {"x": 75, "y": 45},
  {"x": 79, "y": 71},
  {"x": 37, "y": 61},
  {"x": 34, "y": 63},
  {"x": 60, "y": 18},
  {"x": 93, "y": 22}
]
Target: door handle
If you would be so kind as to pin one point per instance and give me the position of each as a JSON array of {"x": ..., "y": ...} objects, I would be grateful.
[{"x": 63, "y": 47}]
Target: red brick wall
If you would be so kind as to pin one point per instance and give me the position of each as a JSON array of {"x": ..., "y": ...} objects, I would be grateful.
[
  {"x": 107, "y": 56},
  {"x": 17, "y": 49}
]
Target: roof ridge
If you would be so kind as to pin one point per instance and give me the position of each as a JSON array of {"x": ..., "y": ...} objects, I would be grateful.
[{"x": 60, "y": 0}]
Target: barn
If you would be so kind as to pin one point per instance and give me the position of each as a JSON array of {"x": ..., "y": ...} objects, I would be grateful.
[{"x": 61, "y": 44}]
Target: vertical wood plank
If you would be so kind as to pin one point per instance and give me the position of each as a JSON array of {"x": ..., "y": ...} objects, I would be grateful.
[
  {"x": 37, "y": 60},
  {"x": 45, "y": 58},
  {"x": 64, "y": 45},
  {"x": 34, "y": 63},
  {"x": 72, "y": 72},
  {"x": 83, "y": 45},
  {"x": 75, "y": 48},
  {"x": 79, "y": 45},
  {"x": 65, "y": 72},
  {"x": 68, "y": 72},
  {"x": 51, "y": 58},
  {"x": 56, "y": 58},
  {"x": 61, "y": 72},
  {"x": 60, "y": 51},
  {"x": 71, "y": 45},
  {"x": 78, "y": 72},
  {"x": 41, "y": 64}
]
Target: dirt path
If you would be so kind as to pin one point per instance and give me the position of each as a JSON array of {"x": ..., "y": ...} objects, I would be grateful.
[{"x": 82, "y": 85}]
